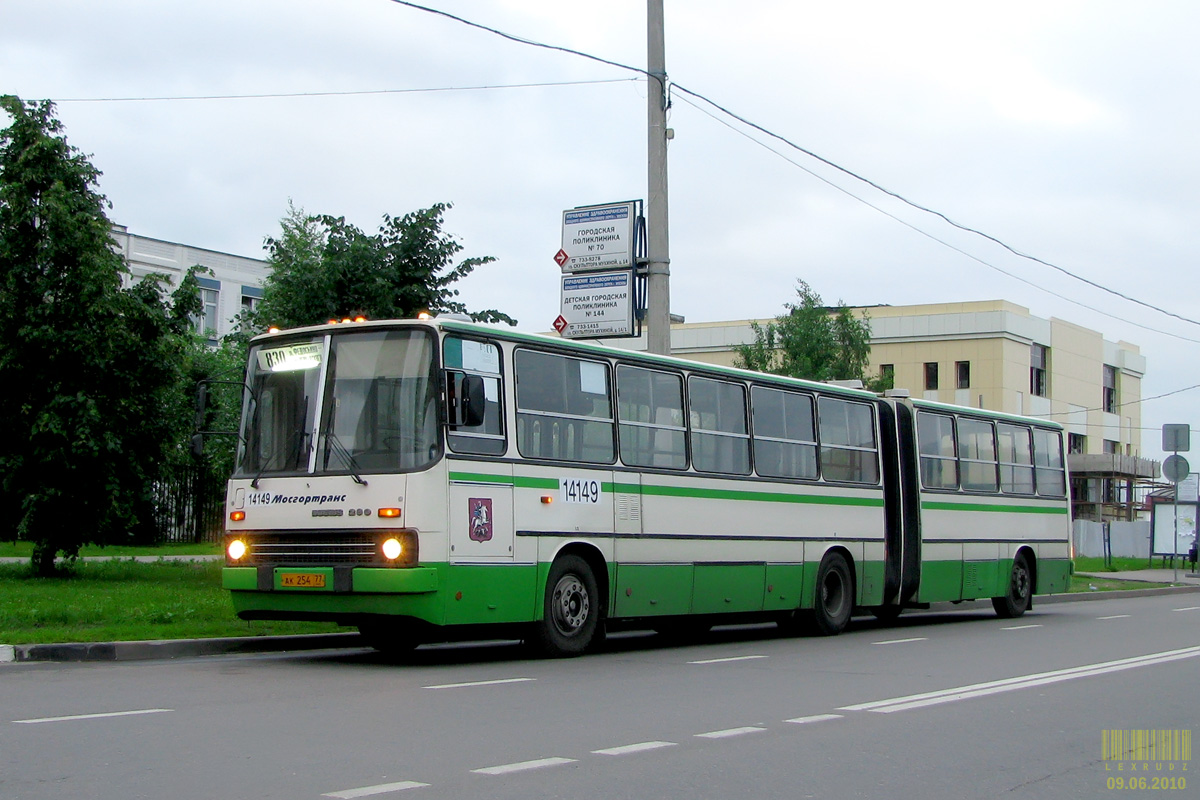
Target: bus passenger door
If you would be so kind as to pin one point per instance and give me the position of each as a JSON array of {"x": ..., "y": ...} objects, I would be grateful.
[{"x": 481, "y": 516}]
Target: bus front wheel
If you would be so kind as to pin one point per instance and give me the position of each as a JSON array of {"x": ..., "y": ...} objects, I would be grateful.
[
  {"x": 392, "y": 638},
  {"x": 571, "y": 614},
  {"x": 1019, "y": 597}
]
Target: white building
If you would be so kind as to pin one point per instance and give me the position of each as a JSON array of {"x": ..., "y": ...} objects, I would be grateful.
[{"x": 234, "y": 285}]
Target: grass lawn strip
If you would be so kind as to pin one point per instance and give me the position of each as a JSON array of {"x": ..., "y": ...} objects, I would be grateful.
[{"x": 108, "y": 601}]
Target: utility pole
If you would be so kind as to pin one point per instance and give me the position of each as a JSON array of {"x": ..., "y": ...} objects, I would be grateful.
[{"x": 658, "y": 261}]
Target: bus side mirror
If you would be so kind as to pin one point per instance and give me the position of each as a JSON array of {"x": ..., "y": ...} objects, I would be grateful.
[
  {"x": 198, "y": 445},
  {"x": 474, "y": 402},
  {"x": 467, "y": 400}
]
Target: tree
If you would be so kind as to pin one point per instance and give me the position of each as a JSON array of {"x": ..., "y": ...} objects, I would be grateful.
[
  {"x": 812, "y": 341},
  {"x": 88, "y": 367},
  {"x": 324, "y": 268}
]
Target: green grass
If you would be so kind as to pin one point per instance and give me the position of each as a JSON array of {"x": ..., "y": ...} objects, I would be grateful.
[
  {"x": 25, "y": 550},
  {"x": 1084, "y": 564},
  {"x": 1083, "y": 583},
  {"x": 126, "y": 601}
]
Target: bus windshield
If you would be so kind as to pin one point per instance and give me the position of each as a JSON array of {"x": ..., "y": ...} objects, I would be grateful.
[{"x": 378, "y": 405}]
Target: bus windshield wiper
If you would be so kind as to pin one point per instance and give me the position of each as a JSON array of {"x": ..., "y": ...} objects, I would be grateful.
[{"x": 339, "y": 448}]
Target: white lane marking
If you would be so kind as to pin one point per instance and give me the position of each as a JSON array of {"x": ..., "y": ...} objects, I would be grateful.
[
  {"x": 367, "y": 791},
  {"x": 94, "y": 716},
  {"x": 1189, "y": 608},
  {"x": 1020, "y": 682},
  {"x": 626, "y": 749},
  {"x": 479, "y": 683},
  {"x": 904, "y": 641},
  {"x": 1116, "y": 616},
  {"x": 521, "y": 766},
  {"x": 814, "y": 718},
  {"x": 726, "y": 660},
  {"x": 725, "y": 734},
  {"x": 1020, "y": 627}
]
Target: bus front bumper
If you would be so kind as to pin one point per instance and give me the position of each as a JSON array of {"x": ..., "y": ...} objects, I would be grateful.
[{"x": 305, "y": 580}]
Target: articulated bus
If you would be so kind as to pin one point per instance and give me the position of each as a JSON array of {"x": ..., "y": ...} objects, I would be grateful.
[{"x": 436, "y": 479}]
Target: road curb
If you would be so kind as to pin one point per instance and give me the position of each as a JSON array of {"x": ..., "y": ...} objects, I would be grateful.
[
  {"x": 192, "y": 648},
  {"x": 177, "y": 648}
]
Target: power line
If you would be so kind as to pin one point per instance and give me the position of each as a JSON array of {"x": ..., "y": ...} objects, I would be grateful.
[
  {"x": 810, "y": 154},
  {"x": 277, "y": 95},
  {"x": 1139, "y": 401},
  {"x": 929, "y": 235}
]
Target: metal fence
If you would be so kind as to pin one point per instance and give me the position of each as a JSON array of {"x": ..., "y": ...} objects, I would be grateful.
[{"x": 188, "y": 504}]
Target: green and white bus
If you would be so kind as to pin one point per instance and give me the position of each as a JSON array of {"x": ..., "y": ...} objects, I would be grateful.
[{"x": 427, "y": 480}]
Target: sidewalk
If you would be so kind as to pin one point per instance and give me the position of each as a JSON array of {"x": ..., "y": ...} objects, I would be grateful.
[{"x": 1184, "y": 575}]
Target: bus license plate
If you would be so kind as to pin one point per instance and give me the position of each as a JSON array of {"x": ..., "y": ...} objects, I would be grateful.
[{"x": 302, "y": 580}]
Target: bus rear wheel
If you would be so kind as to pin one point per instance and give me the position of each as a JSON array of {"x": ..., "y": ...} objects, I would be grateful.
[
  {"x": 1019, "y": 597},
  {"x": 572, "y": 609},
  {"x": 834, "y": 599}
]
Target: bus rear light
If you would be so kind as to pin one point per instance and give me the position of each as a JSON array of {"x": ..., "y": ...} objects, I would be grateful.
[
  {"x": 236, "y": 550},
  {"x": 237, "y": 516},
  {"x": 392, "y": 549},
  {"x": 389, "y": 513}
]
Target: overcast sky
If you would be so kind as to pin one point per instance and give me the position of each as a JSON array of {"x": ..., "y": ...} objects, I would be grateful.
[{"x": 1068, "y": 130}]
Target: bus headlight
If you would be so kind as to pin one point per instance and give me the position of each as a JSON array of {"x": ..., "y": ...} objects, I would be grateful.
[
  {"x": 392, "y": 549},
  {"x": 236, "y": 550}
]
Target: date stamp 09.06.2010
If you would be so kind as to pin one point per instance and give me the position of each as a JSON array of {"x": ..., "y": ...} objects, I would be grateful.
[{"x": 1151, "y": 760}]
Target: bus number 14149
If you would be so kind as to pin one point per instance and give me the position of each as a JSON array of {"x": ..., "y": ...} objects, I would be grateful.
[{"x": 574, "y": 490}]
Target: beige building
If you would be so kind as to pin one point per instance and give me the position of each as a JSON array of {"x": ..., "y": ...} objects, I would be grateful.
[{"x": 997, "y": 355}]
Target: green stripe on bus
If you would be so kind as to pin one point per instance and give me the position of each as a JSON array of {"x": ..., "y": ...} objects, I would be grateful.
[
  {"x": 930, "y": 505},
  {"x": 676, "y": 491},
  {"x": 755, "y": 497},
  {"x": 536, "y": 483},
  {"x": 481, "y": 477},
  {"x": 504, "y": 480}
]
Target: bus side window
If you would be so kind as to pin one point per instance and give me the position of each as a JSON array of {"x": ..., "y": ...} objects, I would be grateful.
[
  {"x": 1048, "y": 463},
  {"x": 1015, "y": 453},
  {"x": 463, "y": 357},
  {"x": 848, "y": 451},
  {"x": 650, "y": 415},
  {"x": 785, "y": 439},
  {"x": 935, "y": 441},
  {"x": 977, "y": 455},
  {"x": 720, "y": 440},
  {"x": 564, "y": 408}
]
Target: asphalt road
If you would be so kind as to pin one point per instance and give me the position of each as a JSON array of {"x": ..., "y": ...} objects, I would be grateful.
[{"x": 948, "y": 705}]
